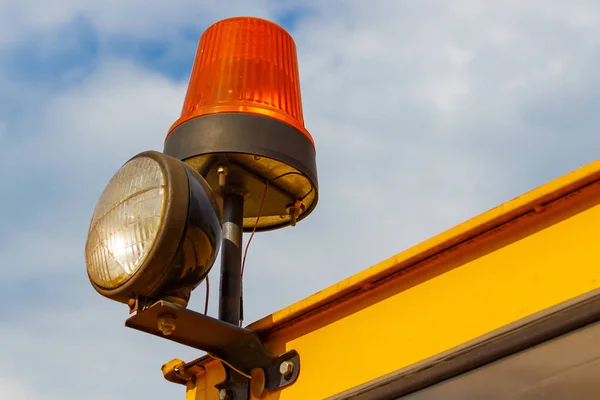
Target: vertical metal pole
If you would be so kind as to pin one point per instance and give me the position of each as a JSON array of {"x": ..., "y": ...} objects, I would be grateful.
[{"x": 231, "y": 259}]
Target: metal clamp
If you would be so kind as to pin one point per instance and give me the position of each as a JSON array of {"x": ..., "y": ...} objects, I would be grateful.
[{"x": 250, "y": 366}]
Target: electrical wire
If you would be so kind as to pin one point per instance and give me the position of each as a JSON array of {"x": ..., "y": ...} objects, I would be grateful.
[
  {"x": 260, "y": 210},
  {"x": 295, "y": 173},
  {"x": 262, "y": 204},
  {"x": 309, "y": 192},
  {"x": 230, "y": 366},
  {"x": 286, "y": 174}
]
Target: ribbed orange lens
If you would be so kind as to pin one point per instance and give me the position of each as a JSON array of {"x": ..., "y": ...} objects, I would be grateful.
[{"x": 245, "y": 65}]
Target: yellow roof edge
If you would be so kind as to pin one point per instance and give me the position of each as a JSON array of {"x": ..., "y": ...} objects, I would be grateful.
[{"x": 499, "y": 215}]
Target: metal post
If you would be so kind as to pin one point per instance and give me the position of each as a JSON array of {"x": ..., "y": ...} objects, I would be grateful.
[{"x": 231, "y": 259}]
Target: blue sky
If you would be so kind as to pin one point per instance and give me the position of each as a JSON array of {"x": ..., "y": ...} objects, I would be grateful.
[{"x": 424, "y": 114}]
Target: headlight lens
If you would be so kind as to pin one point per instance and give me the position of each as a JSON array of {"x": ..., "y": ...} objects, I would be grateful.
[{"x": 126, "y": 222}]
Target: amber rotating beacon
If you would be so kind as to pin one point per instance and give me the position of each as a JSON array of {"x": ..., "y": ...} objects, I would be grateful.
[{"x": 242, "y": 126}]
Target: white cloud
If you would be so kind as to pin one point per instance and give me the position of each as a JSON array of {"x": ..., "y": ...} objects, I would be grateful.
[
  {"x": 11, "y": 389},
  {"x": 132, "y": 18},
  {"x": 79, "y": 138},
  {"x": 120, "y": 110},
  {"x": 423, "y": 114},
  {"x": 62, "y": 354}
]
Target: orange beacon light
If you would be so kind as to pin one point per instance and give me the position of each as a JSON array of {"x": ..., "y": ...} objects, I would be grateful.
[{"x": 242, "y": 116}]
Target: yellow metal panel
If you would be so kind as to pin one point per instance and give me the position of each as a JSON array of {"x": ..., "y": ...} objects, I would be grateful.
[
  {"x": 203, "y": 387},
  {"x": 473, "y": 227},
  {"x": 196, "y": 390},
  {"x": 496, "y": 269}
]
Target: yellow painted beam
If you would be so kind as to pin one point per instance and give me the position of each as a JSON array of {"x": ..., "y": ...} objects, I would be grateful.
[
  {"x": 534, "y": 252},
  {"x": 495, "y": 217}
]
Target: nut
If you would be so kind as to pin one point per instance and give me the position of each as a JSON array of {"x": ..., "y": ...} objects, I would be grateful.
[
  {"x": 132, "y": 303},
  {"x": 287, "y": 369},
  {"x": 166, "y": 324}
]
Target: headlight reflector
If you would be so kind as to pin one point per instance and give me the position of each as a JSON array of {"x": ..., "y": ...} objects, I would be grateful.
[{"x": 126, "y": 222}]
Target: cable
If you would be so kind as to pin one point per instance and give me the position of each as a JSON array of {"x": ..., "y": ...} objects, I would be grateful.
[
  {"x": 230, "y": 366},
  {"x": 286, "y": 174},
  {"x": 262, "y": 203},
  {"x": 309, "y": 192},
  {"x": 207, "y": 295},
  {"x": 260, "y": 210},
  {"x": 295, "y": 173}
]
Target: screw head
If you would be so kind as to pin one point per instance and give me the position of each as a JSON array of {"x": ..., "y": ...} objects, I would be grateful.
[
  {"x": 222, "y": 171},
  {"x": 224, "y": 394},
  {"x": 286, "y": 369}
]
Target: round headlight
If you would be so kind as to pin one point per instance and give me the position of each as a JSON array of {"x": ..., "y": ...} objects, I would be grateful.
[
  {"x": 126, "y": 222},
  {"x": 155, "y": 230}
]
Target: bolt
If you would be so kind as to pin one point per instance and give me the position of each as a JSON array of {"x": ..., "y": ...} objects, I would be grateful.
[
  {"x": 257, "y": 158},
  {"x": 222, "y": 173},
  {"x": 286, "y": 368},
  {"x": 293, "y": 212},
  {"x": 224, "y": 394},
  {"x": 166, "y": 324}
]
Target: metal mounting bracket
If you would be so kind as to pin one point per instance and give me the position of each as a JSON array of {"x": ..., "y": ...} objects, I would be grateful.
[{"x": 241, "y": 349}]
